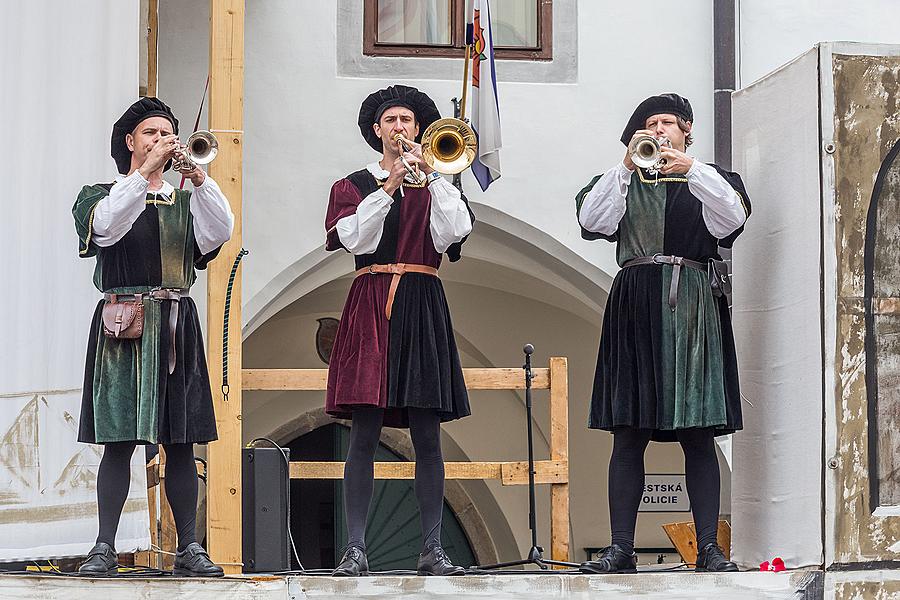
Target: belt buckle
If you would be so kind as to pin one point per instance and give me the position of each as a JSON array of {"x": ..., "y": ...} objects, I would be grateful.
[
  {"x": 371, "y": 269},
  {"x": 658, "y": 258}
]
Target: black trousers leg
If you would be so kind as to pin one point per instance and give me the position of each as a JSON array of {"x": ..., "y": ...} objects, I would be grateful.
[
  {"x": 425, "y": 430},
  {"x": 701, "y": 467},
  {"x": 181, "y": 491},
  {"x": 626, "y": 483},
  {"x": 113, "y": 481},
  {"x": 359, "y": 472}
]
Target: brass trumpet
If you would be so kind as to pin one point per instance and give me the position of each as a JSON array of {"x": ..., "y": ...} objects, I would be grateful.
[
  {"x": 449, "y": 146},
  {"x": 646, "y": 150},
  {"x": 200, "y": 149}
]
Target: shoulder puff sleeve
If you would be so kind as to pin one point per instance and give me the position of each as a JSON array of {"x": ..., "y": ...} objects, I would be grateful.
[
  {"x": 735, "y": 181},
  {"x": 352, "y": 222},
  {"x": 83, "y": 212}
]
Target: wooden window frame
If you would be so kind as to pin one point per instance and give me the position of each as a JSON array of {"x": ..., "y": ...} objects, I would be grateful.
[{"x": 456, "y": 48}]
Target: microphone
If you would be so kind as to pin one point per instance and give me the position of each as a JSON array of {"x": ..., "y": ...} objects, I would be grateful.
[{"x": 528, "y": 349}]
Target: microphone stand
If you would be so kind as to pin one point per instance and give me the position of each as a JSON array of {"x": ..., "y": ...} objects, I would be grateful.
[{"x": 536, "y": 553}]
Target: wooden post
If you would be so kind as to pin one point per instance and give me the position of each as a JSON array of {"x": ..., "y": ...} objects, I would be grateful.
[
  {"x": 226, "y": 101},
  {"x": 559, "y": 450},
  {"x": 167, "y": 542},
  {"x": 152, "y": 45}
]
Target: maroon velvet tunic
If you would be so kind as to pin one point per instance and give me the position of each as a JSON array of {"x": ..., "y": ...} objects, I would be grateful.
[{"x": 410, "y": 360}]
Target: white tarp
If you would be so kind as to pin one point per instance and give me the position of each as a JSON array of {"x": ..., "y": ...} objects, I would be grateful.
[
  {"x": 776, "y": 496},
  {"x": 68, "y": 70}
]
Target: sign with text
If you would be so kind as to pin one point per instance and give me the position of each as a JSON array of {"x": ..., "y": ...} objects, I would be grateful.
[{"x": 665, "y": 493}]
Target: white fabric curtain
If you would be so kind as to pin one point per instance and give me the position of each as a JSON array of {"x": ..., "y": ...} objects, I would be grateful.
[
  {"x": 414, "y": 21},
  {"x": 59, "y": 101},
  {"x": 514, "y": 23}
]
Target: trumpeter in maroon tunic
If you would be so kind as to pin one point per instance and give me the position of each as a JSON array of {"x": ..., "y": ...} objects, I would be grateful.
[{"x": 394, "y": 360}]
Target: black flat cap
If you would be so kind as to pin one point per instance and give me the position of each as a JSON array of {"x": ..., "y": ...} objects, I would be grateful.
[
  {"x": 397, "y": 95},
  {"x": 671, "y": 104},
  {"x": 139, "y": 111}
]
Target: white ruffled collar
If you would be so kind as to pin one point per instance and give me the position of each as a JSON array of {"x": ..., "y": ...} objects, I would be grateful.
[{"x": 166, "y": 189}]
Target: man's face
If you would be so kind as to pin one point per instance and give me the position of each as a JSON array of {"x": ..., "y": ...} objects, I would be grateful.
[
  {"x": 144, "y": 137},
  {"x": 667, "y": 125},
  {"x": 394, "y": 120}
]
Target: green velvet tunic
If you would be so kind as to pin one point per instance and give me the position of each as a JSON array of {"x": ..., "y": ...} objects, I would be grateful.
[
  {"x": 129, "y": 395},
  {"x": 657, "y": 368}
]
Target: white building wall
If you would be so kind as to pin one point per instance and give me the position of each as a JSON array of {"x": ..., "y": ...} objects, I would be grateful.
[{"x": 301, "y": 102}]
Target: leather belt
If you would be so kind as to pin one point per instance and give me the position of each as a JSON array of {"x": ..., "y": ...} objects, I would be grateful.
[
  {"x": 159, "y": 294},
  {"x": 676, "y": 261},
  {"x": 397, "y": 270}
]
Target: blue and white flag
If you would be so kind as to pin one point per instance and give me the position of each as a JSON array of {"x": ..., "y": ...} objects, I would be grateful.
[{"x": 485, "y": 106}]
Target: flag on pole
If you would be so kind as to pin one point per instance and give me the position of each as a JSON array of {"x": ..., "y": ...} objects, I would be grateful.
[{"x": 485, "y": 106}]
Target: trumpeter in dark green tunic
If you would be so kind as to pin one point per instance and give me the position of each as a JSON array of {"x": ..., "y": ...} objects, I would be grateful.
[
  {"x": 151, "y": 386},
  {"x": 666, "y": 368}
]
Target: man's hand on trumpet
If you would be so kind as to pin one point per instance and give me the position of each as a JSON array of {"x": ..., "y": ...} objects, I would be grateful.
[
  {"x": 676, "y": 161},
  {"x": 395, "y": 178},
  {"x": 158, "y": 154},
  {"x": 413, "y": 155}
]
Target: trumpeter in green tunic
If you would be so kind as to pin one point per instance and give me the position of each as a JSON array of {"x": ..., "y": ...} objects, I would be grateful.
[{"x": 666, "y": 368}]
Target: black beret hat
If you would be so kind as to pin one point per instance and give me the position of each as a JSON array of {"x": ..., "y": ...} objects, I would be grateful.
[
  {"x": 139, "y": 111},
  {"x": 397, "y": 95},
  {"x": 671, "y": 104}
]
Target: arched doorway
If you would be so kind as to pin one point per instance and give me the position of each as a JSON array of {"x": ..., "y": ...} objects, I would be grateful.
[{"x": 393, "y": 535}]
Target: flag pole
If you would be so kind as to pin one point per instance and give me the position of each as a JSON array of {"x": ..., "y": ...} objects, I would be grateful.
[{"x": 465, "y": 82}]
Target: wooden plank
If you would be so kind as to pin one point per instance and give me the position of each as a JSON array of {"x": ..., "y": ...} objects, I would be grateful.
[
  {"x": 510, "y": 473},
  {"x": 148, "y": 558},
  {"x": 559, "y": 451},
  {"x": 545, "y": 471},
  {"x": 317, "y": 379},
  {"x": 285, "y": 379},
  {"x": 226, "y": 107},
  {"x": 684, "y": 538}
]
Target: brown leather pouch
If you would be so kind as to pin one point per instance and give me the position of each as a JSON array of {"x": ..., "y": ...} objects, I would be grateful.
[{"x": 123, "y": 320}]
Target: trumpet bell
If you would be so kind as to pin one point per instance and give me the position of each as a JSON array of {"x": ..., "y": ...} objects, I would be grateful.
[
  {"x": 202, "y": 147},
  {"x": 449, "y": 146},
  {"x": 645, "y": 151}
]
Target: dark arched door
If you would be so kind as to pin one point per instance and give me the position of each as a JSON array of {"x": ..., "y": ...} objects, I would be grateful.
[
  {"x": 882, "y": 342},
  {"x": 393, "y": 535}
]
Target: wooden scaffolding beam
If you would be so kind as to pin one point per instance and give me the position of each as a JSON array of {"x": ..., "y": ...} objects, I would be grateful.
[{"x": 226, "y": 109}]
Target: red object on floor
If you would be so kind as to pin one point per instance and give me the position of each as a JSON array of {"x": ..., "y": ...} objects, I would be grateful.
[{"x": 776, "y": 566}]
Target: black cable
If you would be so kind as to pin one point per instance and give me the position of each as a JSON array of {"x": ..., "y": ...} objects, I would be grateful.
[
  {"x": 287, "y": 466},
  {"x": 234, "y": 268}
]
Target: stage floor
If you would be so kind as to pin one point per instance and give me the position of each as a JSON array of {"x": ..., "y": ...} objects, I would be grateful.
[{"x": 806, "y": 585}]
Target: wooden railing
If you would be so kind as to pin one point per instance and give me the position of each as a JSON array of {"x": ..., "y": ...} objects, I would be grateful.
[{"x": 554, "y": 471}]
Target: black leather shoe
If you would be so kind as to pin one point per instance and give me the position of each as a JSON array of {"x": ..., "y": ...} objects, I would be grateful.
[
  {"x": 612, "y": 560},
  {"x": 101, "y": 562},
  {"x": 193, "y": 561},
  {"x": 434, "y": 561},
  {"x": 712, "y": 558},
  {"x": 353, "y": 564}
]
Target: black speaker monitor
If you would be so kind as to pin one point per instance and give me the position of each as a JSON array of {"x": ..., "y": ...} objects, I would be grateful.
[{"x": 266, "y": 502}]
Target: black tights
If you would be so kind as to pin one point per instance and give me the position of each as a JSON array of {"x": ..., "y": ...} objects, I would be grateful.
[
  {"x": 359, "y": 471},
  {"x": 114, "y": 479},
  {"x": 626, "y": 482}
]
